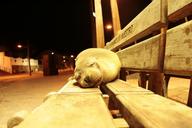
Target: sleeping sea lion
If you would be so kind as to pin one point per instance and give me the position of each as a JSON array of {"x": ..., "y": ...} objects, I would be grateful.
[{"x": 94, "y": 66}]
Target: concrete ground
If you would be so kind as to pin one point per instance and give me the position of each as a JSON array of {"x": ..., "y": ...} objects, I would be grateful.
[
  {"x": 24, "y": 92},
  {"x": 178, "y": 88}
]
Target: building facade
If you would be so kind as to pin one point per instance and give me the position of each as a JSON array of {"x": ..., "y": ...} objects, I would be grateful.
[{"x": 17, "y": 65}]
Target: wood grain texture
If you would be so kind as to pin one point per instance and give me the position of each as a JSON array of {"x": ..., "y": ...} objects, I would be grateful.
[
  {"x": 71, "y": 87},
  {"x": 120, "y": 123},
  {"x": 154, "y": 111},
  {"x": 139, "y": 26},
  {"x": 121, "y": 87},
  {"x": 100, "y": 39},
  {"x": 178, "y": 52},
  {"x": 70, "y": 111},
  {"x": 178, "y": 9},
  {"x": 143, "y": 55},
  {"x": 115, "y": 17}
]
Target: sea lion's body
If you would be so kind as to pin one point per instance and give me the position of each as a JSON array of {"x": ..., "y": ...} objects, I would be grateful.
[{"x": 94, "y": 66}]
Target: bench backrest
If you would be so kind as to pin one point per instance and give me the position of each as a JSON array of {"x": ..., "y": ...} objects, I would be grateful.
[{"x": 157, "y": 47}]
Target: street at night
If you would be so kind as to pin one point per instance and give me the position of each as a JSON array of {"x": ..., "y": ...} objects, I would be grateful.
[
  {"x": 24, "y": 92},
  {"x": 96, "y": 64}
]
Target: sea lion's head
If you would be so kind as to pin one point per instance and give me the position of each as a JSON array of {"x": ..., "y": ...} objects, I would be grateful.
[{"x": 90, "y": 76}]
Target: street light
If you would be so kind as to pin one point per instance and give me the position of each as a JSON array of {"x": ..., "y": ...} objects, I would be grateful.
[
  {"x": 72, "y": 56},
  {"x": 108, "y": 26},
  {"x": 28, "y": 56}
]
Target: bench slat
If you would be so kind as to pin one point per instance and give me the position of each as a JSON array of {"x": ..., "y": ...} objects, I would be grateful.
[
  {"x": 178, "y": 53},
  {"x": 120, "y": 123},
  {"x": 142, "y": 56},
  {"x": 178, "y": 9},
  {"x": 70, "y": 111},
  {"x": 121, "y": 87},
  {"x": 70, "y": 87},
  {"x": 154, "y": 111},
  {"x": 139, "y": 26}
]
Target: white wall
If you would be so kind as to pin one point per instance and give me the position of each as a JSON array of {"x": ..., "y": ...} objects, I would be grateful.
[
  {"x": 6, "y": 62},
  {"x": 24, "y": 62}
]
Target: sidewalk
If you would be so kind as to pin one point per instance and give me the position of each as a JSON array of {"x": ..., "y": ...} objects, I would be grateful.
[
  {"x": 178, "y": 88},
  {"x": 24, "y": 92}
]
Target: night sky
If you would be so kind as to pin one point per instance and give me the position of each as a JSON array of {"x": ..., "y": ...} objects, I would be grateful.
[{"x": 63, "y": 27}]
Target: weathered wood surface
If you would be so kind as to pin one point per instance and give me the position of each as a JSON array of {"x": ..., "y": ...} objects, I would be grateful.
[
  {"x": 178, "y": 53},
  {"x": 100, "y": 39},
  {"x": 118, "y": 87},
  {"x": 156, "y": 83},
  {"x": 178, "y": 9},
  {"x": 121, "y": 87},
  {"x": 70, "y": 111},
  {"x": 120, "y": 123},
  {"x": 139, "y": 26},
  {"x": 154, "y": 111},
  {"x": 115, "y": 17},
  {"x": 70, "y": 87},
  {"x": 71, "y": 107},
  {"x": 143, "y": 55}
]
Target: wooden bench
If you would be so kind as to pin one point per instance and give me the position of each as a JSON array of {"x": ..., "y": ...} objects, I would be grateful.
[
  {"x": 151, "y": 46},
  {"x": 145, "y": 45},
  {"x": 142, "y": 108},
  {"x": 72, "y": 107},
  {"x": 154, "y": 48}
]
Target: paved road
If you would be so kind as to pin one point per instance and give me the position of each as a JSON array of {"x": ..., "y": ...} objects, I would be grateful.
[{"x": 24, "y": 92}]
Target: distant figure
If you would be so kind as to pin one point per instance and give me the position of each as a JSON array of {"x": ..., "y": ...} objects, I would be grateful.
[{"x": 95, "y": 66}]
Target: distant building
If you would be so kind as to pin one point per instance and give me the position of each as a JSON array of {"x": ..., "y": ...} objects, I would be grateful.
[
  {"x": 17, "y": 65},
  {"x": 49, "y": 62}
]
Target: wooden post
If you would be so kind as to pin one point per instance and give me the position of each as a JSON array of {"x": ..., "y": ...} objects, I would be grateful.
[
  {"x": 123, "y": 74},
  {"x": 142, "y": 82},
  {"x": 162, "y": 49},
  {"x": 115, "y": 17},
  {"x": 28, "y": 57},
  {"x": 189, "y": 102},
  {"x": 93, "y": 28},
  {"x": 99, "y": 24},
  {"x": 157, "y": 83}
]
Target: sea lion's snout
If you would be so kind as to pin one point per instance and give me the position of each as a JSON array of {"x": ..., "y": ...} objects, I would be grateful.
[{"x": 89, "y": 77}]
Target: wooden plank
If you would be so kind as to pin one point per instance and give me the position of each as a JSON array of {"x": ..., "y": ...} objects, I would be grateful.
[
  {"x": 120, "y": 123},
  {"x": 139, "y": 26},
  {"x": 154, "y": 111},
  {"x": 121, "y": 87},
  {"x": 70, "y": 87},
  {"x": 70, "y": 111},
  {"x": 178, "y": 53},
  {"x": 178, "y": 9},
  {"x": 143, "y": 55}
]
